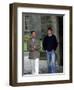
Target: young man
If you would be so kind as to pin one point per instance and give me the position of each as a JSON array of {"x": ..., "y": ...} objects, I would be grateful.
[
  {"x": 50, "y": 45},
  {"x": 34, "y": 54}
]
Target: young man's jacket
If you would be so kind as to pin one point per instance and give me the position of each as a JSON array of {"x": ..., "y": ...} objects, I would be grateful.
[{"x": 50, "y": 43}]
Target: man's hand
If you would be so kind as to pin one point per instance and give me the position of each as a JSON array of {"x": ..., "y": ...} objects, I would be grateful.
[{"x": 33, "y": 49}]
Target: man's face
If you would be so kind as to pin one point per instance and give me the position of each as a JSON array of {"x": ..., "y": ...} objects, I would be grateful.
[
  {"x": 34, "y": 35},
  {"x": 49, "y": 32}
]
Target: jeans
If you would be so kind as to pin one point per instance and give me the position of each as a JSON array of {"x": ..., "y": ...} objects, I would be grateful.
[{"x": 51, "y": 61}]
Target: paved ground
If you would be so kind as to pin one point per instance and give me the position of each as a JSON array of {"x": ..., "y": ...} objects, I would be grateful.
[{"x": 42, "y": 66}]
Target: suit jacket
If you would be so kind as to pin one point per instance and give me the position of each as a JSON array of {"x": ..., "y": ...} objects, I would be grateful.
[{"x": 33, "y": 54}]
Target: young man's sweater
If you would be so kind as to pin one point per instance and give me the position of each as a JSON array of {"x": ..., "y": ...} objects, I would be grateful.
[{"x": 50, "y": 43}]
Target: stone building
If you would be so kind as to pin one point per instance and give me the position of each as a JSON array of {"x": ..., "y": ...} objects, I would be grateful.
[{"x": 40, "y": 24}]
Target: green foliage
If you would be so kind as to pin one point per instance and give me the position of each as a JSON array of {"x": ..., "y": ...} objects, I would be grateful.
[{"x": 26, "y": 37}]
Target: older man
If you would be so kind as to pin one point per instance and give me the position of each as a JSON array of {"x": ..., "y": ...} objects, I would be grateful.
[{"x": 34, "y": 53}]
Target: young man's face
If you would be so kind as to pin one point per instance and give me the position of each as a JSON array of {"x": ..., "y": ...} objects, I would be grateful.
[
  {"x": 34, "y": 35},
  {"x": 49, "y": 32}
]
